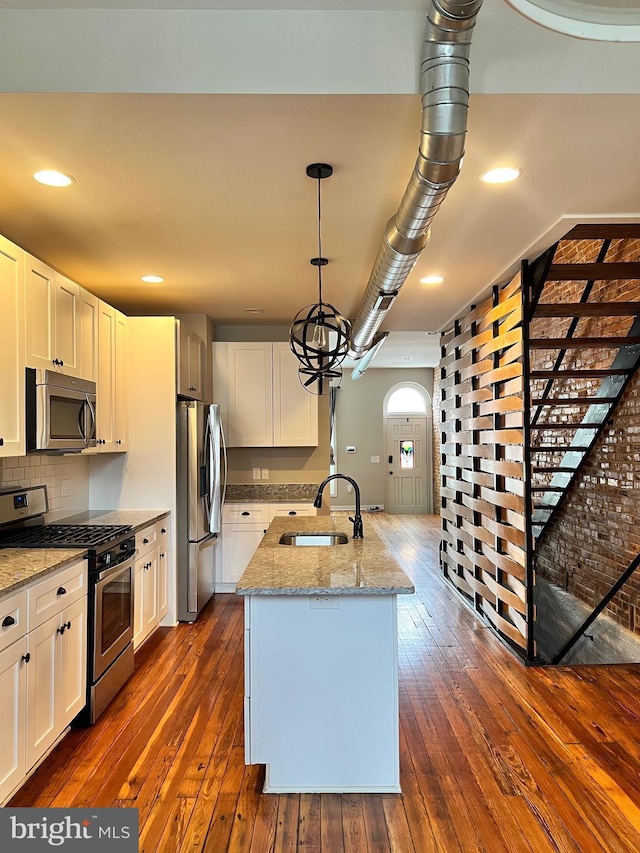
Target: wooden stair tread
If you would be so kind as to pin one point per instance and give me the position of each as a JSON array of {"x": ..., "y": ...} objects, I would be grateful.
[
  {"x": 586, "y": 309},
  {"x": 594, "y": 272},
  {"x": 572, "y": 401},
  {"x": 560, "y": 448},
  {"x": 576, "y": 425},
  {"x": 579, "y": 343},
  {"x": 592, "y": 373},
  {"x": 555, "y": 469}
]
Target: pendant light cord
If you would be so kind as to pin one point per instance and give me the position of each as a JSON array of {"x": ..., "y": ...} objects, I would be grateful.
[{"x": 319, "y": 247}]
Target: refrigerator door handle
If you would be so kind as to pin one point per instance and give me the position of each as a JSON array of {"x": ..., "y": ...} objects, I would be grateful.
[
  {"x": 213, "y": 454},
  {"x": 226, "y": 464},
  {"x": 206, "y": 486}
]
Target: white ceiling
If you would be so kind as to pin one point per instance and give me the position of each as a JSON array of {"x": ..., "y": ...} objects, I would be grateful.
[{"x": 206, "y": 185}]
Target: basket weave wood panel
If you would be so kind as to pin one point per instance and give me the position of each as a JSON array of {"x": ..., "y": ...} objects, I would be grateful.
[{"x": 482, "y": 468}]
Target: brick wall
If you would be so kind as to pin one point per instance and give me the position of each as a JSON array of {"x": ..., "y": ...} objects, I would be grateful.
[{"x": 595, "y": 534}]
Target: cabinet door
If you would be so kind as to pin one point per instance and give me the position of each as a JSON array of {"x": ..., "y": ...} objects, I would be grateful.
[
  {"x": 72, "y": 685},
  {"x": 239, "y": 543},
  {"x": 12, "y": 331},
  {"x": 150, "y": 593},
  {"x": 295, "y": 410},
  {"x": 163, "y": 569},
  {"x": 195, "y": 366},
  {"x": 66, "y": 342},
  {"x": 250, "y": 414},
  {"x": 89, "y": 310},
  {"x": 105, "y": 432},
  {"x": 40, "y": 314},
  {"x": 138, "y": 604},
  {"x": 120, "y": 384},
  {"x": 13, "y": 713},
  {"x": 42, "y": 677}
]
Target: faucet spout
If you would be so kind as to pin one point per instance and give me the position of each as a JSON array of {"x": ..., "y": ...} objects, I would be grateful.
[{"x": 358, "y": 532}]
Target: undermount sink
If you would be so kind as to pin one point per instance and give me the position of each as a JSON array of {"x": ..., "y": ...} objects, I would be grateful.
[{"x": 329, "y": 538}]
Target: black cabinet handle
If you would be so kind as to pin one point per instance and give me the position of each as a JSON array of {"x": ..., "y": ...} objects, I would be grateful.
[
  {"x": 26, "y": 658},
  {"x": 162, "y": 556},
  {"x": 164, "y": 530},
  {"x": 61, "y": 363},
  {"x": 61, "y": 591},
  {"x": 246, "y": 513},
  {"x": 119, "y": 441},
  {"x": 1, "y": 442},
  {"x": 61, "y": 629},
  {"x": 292, "y": 512},
  {"x": 8, "y": 620},
  {"x": 145, "y": 541},
  {"x": 68, "y": 626}
]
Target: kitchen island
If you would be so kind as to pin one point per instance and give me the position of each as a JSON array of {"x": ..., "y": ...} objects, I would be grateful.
[{"x": 321, "y": 661}]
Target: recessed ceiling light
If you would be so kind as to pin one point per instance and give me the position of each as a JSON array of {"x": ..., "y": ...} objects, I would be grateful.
[
  {"x": 502, "y": 175},
  {"x": 432, "y": 279},
  {"x": 253, "y": 310},
  {"x": 53, "y": 179},
  {"x": 152, "y": 279}
]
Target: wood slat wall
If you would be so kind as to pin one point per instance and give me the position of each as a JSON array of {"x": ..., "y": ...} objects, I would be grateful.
[{"x": 482, "y": 463}]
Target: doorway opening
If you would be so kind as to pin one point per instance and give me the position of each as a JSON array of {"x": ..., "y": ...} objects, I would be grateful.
[{"x": 408, "y": 449}]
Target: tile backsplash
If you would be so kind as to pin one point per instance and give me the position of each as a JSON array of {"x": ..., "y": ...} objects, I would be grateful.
[{"x": 66, "y": 479}]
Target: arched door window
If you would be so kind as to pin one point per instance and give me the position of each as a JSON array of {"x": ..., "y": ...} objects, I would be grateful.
[{"x": 407, "y": 398}]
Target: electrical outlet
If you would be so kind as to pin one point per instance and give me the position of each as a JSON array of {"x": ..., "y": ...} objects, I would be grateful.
[
  {"x": 65, "y": 489},
  {"x": 324, "y": 602},
  {"x": 256, "y": 473},
  {"x": 375, "y": 458},
  {"x": 265, "y": 473}
]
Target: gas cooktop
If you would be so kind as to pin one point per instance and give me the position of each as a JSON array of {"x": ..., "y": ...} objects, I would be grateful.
[{"x": 63, "y": 535}]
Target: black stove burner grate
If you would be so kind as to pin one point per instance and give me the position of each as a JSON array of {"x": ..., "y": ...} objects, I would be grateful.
[{"x": 62, "y": 536}]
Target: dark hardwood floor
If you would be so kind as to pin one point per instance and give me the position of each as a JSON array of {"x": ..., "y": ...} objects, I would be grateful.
[{"x": 495, "y": 757}]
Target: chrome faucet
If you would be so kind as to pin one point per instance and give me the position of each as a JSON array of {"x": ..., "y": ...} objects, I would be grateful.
[{"x": 358, "y": 532}]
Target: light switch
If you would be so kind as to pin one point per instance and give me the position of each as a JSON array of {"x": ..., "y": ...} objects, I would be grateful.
[
  {"x": 265, "y": 473},
  {"x": 375, "y": 458},
  {"x": 256, "y": 473}
]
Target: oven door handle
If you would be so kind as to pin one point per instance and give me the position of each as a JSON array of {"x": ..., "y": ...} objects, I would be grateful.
[{"x": 106, "y": 573}]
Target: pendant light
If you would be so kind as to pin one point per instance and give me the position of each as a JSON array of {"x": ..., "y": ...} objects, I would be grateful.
[{"x": 319, "y": 334}]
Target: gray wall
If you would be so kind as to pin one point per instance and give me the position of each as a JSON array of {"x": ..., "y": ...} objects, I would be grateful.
[{"x": 359, "y": 421}]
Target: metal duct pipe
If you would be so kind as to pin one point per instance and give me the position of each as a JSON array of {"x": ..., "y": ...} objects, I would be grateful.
[{"x": 445, "y": 103}]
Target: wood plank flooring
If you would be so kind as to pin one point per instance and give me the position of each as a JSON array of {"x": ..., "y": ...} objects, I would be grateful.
[{"x": 495, "y": 757}]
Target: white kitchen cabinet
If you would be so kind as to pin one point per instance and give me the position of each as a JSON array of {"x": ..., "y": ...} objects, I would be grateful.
[
  {"x": 13, "y": 713},
  {"x": 52, "y": 319},
  {"x": 111, "y": 397},
  {"x": 89, "y": 314},
  {"x": 292, "y": 510},
  {"x": 151, "y": 580},
  {"x": 57, "y": 658},
  {"x": 189, "y": 350},
  {"x": 12, "y": 274},
  {"x": 262, "y": 401}
]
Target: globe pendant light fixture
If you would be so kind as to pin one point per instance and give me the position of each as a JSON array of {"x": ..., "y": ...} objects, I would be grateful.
[{"x": 319, "y": 352}]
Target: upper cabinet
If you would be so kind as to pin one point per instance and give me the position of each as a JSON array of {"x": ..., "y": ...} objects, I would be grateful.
[
  {"x": 111, "y": 391},
  {"x": 52, "y": 319},
  {"x": 190, "y": 371},
  {"x": 12, "y": 428},
  {"x": 89, "y": 314},
  {"x": 262, "y": 401}
]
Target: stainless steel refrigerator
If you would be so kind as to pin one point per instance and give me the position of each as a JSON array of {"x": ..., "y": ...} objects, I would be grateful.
[{"x": 200, "y": 458}]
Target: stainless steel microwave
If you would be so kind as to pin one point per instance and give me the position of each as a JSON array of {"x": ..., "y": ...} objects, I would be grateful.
[{"x": 60, "y": 412}]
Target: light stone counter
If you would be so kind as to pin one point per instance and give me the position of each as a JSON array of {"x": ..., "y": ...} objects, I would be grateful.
[
  {"x": 21, "y": 566},
  {"x": 136, "y": 518},
  {"x": 361, "y": 567}
]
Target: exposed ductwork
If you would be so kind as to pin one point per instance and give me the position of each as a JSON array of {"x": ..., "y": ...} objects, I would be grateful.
[{"x": 445, "y": 103}]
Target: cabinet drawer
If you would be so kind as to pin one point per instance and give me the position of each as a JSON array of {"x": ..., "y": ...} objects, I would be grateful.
[
  {"x": 51, "y": 595},
  {"x": 292, "y": 510},
  {"x": 13, "y": 618},
  {"x": 146, "y": 540},
  {"x": 245, "y": 513}
]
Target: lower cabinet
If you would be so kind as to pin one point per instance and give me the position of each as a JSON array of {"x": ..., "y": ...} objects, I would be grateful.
[
  {"x": 151, "y": 602},
  {"x": 42, "y": 670},
  {"x": 243, "y": 526}
]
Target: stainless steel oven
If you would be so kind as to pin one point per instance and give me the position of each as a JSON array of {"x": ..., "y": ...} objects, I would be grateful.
[{"x": 60, "y": 412}]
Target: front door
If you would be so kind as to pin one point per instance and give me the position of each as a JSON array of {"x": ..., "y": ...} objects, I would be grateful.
[{"x": 407, "y": 456}]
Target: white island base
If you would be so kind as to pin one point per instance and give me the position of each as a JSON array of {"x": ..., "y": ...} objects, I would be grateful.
[{"x": 321, "y": 692}]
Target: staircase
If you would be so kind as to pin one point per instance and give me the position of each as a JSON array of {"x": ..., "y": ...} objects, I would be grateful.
[{"x": 582, "y": 347}]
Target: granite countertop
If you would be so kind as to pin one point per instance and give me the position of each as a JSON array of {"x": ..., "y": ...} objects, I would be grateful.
[
  {"x": 136, "y": 518},
  {"x": 21, "y": 566},
  {"x": 271, "y": 493},
  {"x": 361, "y": 567}
]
